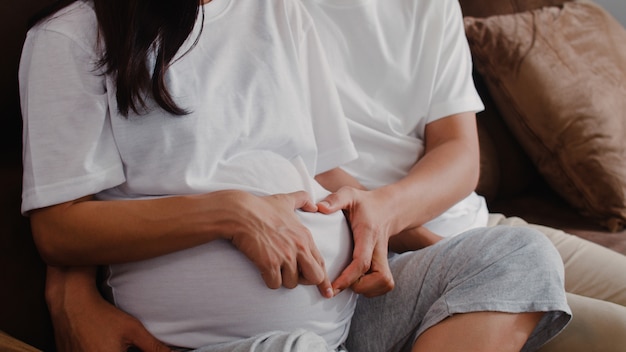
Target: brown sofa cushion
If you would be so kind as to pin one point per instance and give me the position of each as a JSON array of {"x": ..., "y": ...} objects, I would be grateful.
[
  {"x": 482, "y": 8},
  {"x": 558, "y": 77}
]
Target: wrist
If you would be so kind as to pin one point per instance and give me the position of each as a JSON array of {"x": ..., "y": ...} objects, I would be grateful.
[{"x": 68, "y": 285}]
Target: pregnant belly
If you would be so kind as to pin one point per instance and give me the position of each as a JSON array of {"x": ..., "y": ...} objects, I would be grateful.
[{"x": 213, "y": 294}]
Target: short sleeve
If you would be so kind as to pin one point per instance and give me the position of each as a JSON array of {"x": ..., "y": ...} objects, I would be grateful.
[
  {"x": 68, "y": 146},
  {"x": 454, "y": 91}
]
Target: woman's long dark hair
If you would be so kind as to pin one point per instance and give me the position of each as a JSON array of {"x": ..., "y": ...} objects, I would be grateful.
[{"x": 132, "y": 32}]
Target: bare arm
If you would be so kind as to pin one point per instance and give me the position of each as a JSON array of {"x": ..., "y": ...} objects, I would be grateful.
[
  {"x": 265, "y": 229},
  {"x": 447, "y": 173},
  {"x": 73, "y": 301}
]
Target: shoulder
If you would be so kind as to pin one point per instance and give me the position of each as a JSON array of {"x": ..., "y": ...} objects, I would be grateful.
[{"x": 76, "y": 22}]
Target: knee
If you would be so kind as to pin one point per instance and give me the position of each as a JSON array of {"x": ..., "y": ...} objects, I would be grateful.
[{"x": 527, "y": 245}]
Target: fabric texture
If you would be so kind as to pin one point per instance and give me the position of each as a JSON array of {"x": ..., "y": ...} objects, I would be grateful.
[
  {"x": 505, "y": 168},
  {"x": 557, "y": 76},
  {"x": 265, "y": 118},
  {"x": 596, "y": 325},
  {"x": 480, "y": 8},
  {"x": 278, "y": 109},
  {"x": 393, "y": 84},
  {"x": 590, "y": 269},
  {"x": 595, "y": 282},
  {"x": 274, "y": 341},
  {"x": 479, "y": 270}
]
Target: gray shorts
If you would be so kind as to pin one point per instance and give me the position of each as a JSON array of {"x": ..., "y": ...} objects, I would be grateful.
[{"x": 504, "y": 269}]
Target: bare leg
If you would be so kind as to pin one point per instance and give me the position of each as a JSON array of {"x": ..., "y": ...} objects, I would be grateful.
[{"x": 479, "y": 331}]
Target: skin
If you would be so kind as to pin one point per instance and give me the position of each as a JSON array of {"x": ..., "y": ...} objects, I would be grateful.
[
  {"x": 86, "y": 232},
  {"x": 388, "y": 217},
  {"x": 392, "y": 210},
  {"x": 374, "y": 216},
  {"x": 73, "y": 316}
]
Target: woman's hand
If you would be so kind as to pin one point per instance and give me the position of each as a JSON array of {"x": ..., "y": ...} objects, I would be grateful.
[
  {"x": 273, "y": 238},
  {"x": 371, "y": 224},
  {"x": 84, "y": 321},
  {"x": 266, "y": 229}
]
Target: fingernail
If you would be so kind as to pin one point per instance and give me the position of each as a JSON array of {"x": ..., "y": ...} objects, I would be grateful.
[
  {"x": 336, "y": 292},
  {"x": 324, "y": 204}
]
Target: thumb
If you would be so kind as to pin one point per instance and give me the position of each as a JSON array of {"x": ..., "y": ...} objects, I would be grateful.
[
  {"x": 334, "y": 202},
  {"x": 302, "y": 201}
]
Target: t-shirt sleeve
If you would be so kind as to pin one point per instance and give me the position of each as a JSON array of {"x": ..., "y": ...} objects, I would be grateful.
[
  {"x": 454, "y": 91},
  {"x": 330, "y": 126},
  {"x": 68, "y": 147}
]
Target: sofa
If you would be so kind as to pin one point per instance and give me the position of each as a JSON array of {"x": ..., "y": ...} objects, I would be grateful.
[
  {"x": 522, "y": 174},
  {"x": 511, "y": 180}
]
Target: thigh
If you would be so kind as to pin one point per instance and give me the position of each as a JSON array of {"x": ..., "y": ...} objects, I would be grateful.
[
  {"x": 596, "y": 326},
  {"x": 590, "y": 269},
  {"x": 479, "y": 270}
]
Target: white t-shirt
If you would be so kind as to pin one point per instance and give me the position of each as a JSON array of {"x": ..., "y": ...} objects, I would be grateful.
[
  {"x": 265, "y": 117},
  {"x": 399, "y": 65}
]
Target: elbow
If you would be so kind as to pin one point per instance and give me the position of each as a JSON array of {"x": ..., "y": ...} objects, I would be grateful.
[
  {"x": 49, "y": 245},
  {"x": 48, "y": 249}
]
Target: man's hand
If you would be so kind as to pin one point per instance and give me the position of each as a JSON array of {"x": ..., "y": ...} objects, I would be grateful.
[
  {"x": 274, "y": 239},
  {"x": 84, "y": 321},
  {"x": 369, "y": 272}
]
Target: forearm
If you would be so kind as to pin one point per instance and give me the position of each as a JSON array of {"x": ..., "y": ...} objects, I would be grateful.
[
  {"x": 69, "y": 285},
  {"x": 432, "y": 187},
  {"x": 447, "y": 173},
  {"x": 89, "y": 232}
]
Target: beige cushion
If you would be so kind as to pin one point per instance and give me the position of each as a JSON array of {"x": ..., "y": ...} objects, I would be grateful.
[{"x": 558, "y": 77}]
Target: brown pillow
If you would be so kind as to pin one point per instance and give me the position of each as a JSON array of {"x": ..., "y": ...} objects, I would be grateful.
[
  {"x": 482, "y": 8},
  {"x": 558, "y": 77}
]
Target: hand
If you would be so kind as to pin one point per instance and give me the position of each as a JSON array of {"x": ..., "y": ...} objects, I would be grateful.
[
  {"x": 275, "y": 240},
  {"x": 84, "y": 321},
  {"x": 369, "y": 272}
]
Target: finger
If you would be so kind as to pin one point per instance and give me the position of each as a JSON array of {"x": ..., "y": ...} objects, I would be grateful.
[
  {"x": 347, "y": 278},
  {"x": 290, "y": 274},
  {"x": 302, "y": 201},
  {"x": 272, "y": 277},
  {"x": 334, "y": 202},
  {"x": 312, "y": 270},
  {"x": 323, "y": 284},
  {"x": 372, "y": 285},
  {"x": 314, "y": 273},
  {"x": 361, "y": 262},
  {"x": 379, "y": 279},
  {"x": 325, "y": 288}
]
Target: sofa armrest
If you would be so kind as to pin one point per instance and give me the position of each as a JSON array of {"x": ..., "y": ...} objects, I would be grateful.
[{"x": 10, "y": 344}]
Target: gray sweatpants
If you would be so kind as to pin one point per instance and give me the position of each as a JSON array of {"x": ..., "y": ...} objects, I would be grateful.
[{"x": 501, "y": 269}]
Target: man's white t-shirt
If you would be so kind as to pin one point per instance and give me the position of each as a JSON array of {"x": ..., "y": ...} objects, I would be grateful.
[
  {"x": 265, "y": 118},
  {"x": 399, "y": 65}
]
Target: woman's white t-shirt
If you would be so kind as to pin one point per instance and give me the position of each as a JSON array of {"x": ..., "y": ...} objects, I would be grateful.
[
  {"x": 264, "y": 117},
  {"x": 399, "y": 65}
]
